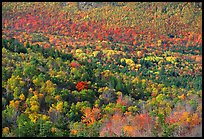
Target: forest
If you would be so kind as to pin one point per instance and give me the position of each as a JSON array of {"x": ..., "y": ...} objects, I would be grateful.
[{"x": 101, "y": 69}]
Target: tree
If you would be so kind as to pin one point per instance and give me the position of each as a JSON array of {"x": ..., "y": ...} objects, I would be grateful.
[{"x": 119, "y": 85}]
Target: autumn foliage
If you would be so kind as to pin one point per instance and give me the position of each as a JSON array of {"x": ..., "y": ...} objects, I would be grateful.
[
  {"x": 82, "y": 85},
  {"x": 121, "y": 69}
]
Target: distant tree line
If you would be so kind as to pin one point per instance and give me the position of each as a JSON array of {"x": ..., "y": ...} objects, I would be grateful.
[{"x": 89, "y": 5}]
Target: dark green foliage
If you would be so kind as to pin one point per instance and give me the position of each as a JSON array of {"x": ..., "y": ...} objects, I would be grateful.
[
  {"x": 26, "y": 128},
  {"x": 66, "y": 57},
  {"x": 119, "y": 85},
  {"x": 123, "y": 63},
  {"x": 5, "y": 74},
  {"x": 9, "y": 115},
  {"x": 13, "y": 45}
]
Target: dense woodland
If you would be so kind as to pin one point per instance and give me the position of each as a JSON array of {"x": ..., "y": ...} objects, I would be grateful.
[{"x": 101, "y": 69}]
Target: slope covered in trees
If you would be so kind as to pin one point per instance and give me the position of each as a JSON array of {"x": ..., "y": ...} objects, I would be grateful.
[{"x": 122, "y": 69}]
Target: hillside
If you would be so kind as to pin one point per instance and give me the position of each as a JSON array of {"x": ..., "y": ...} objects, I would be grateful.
[{"x": 112, "y": 69}]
